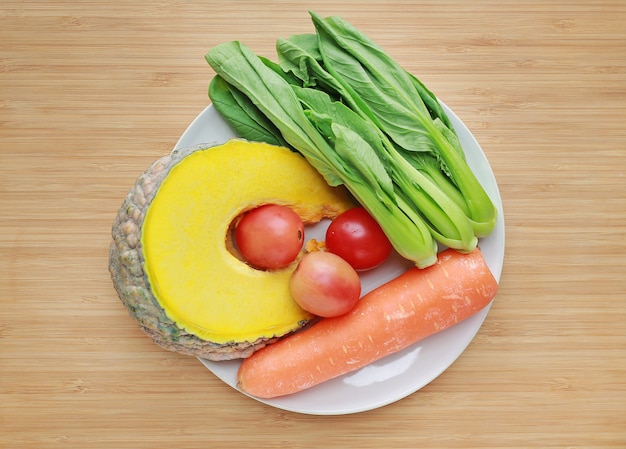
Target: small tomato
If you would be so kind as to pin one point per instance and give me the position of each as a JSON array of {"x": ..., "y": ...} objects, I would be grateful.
[
  {"x": 356, "y": 237},
  {"x": 270, "y": 236},
  {"x": 325, "y": 285}
]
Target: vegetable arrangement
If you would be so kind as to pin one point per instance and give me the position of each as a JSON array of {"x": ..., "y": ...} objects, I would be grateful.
[
  {"x": 369, "y": 131},
  {"x": 362, "y": 121}
]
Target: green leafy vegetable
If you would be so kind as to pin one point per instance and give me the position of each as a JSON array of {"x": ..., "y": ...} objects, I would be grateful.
[
  {"x": 363, "y": 121},
  {"x": 362, "y": 66},
  {"x": 275, "y": 97},
  {"x": 445, "y": 218}
]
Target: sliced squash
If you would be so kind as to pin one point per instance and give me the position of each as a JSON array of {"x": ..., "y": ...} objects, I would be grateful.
[{"x": 206, "y": 301}]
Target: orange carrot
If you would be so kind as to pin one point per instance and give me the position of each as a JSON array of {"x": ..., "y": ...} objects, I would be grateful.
[{"x": 416, "y": 304}]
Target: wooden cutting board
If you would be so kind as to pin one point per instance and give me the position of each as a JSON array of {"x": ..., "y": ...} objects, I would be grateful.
[{"x": 93, "y": 92}]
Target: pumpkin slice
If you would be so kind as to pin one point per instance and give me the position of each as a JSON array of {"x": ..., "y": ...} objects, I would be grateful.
[{"x": 172, "y": 259}]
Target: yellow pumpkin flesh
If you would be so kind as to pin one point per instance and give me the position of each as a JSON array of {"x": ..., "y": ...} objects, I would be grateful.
[{"x": 189, "y": 260}]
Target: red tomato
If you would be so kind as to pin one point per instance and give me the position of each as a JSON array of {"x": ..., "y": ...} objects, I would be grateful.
[
  {"x": 270, "y": 236},
  {"x": 358, "y": 238},
  {"x": 325, "y": 284}
]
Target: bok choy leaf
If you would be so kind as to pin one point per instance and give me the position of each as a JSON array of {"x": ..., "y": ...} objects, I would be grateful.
[{"x": 242, "y": 115}]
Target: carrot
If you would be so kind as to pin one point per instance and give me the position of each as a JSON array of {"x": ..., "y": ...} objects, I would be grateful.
[{"x": 416, "y": 304}]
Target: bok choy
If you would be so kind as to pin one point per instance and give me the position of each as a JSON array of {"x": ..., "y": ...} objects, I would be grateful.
[
  {"x": 353, "y": 164},
  {"x": 363, "y": 121}
]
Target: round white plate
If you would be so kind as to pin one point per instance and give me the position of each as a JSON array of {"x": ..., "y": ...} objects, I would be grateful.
[{"x": 398, "y": 375}]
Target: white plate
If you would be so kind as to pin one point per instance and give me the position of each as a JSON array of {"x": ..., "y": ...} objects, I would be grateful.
[{"x": 398, "y": 375}]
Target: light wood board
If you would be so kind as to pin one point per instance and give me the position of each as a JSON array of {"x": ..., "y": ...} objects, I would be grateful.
[{"x": 92, "y": 92}]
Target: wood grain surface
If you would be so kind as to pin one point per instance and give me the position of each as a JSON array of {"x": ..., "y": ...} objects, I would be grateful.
[{"x": 92, "y": 92}]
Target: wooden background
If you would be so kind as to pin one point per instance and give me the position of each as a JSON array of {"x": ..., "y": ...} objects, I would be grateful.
[{"x": 91, "y": 92}]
